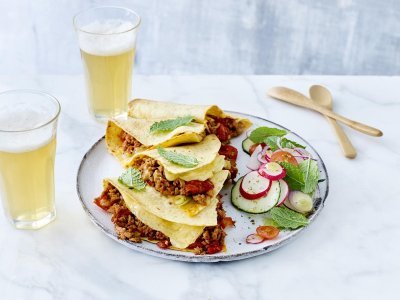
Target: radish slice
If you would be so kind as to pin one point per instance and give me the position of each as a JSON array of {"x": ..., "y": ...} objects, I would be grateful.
[
  {"x": 284, "y": 194},
  {"x": 301, "y": 202},
  {"x": 272, "y": 171},
  {"x": 261, "y": 158},
  {"x": 265, "y": 156},
  {"x": 254, "y": 186},
  {"x": 254, "y": 239},
  {"x": 253, "y": 163}
]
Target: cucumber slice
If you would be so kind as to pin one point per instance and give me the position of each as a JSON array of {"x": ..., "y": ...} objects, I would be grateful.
[
  {"x": 246, "y": 145},
  {"x": 301, "y": 202},
  {"x": 258, "y": 206}
]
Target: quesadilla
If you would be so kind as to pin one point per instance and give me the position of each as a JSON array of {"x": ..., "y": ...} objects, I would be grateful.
[
  {"x": 125, "y": 137},
  {"x": 135, "y": 223},
  {"x": 193, "y": 187},
  {"x": 224, "y": 126}
]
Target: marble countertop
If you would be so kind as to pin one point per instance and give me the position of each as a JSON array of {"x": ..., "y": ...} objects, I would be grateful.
[{"x": 350, "y": 252}]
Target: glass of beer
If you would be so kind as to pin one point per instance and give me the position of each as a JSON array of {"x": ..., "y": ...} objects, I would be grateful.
[
  {"x": 107, "y": 39},
  {"x": 28, "y": 125}
]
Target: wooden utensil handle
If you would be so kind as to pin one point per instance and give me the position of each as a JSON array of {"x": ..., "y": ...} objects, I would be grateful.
[
  {"x": 347, "y": 147},
  {"x": 299, "y": 99},
  {"x": 351, "y": 123}
]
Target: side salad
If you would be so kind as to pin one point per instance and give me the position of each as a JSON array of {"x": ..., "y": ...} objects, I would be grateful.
[{"x": 281, "y": 181}]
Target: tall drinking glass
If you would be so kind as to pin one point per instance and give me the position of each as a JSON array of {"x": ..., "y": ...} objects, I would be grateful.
[
  {"x": 28, "y": 126},
  {"x": 107, "y": 39}
]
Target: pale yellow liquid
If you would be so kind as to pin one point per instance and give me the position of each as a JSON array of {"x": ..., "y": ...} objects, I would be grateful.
[
  {"x": 109, "y": 80},
  {"x": 27, "y": 185}
]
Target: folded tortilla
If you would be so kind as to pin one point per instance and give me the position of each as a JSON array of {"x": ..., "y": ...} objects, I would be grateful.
[
  {"x": 206, "y": 152},
  {"x": 140, "y": 130},
  {"x": 164, "y": 207},
  {"x": 210, "y": 164},
  {"x": 180, "y": 235},
  {"x": 150, "y": 109}
]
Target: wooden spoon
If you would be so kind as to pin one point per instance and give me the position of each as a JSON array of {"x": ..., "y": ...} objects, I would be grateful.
[
  {"x": 321, "y": 96},
  {"x": 294, "y": 97}
]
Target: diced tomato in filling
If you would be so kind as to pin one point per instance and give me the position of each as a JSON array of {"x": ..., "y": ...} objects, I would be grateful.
[
  {"x": 122, "y": 213},
  {"x": 230, "y": 154},
  {"x": 194, "y": 187},
  {"x": 214, "y": 248},
  {"x": 163, "y": 244},
  {"x": 223, "y": 133},
  {"x": 102, "y": 203},
  {"x": 227, "y": 222},
  {"x": 229, "y": 151}
]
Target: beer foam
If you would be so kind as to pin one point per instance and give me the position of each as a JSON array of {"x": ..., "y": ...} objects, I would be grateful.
[
  {"x": 107, "y": 38},
  {"x": 19, "y": 118}
]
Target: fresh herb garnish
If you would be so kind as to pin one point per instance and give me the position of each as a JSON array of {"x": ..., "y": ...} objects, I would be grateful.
[
  {"x": 303, "y": 177},
  {"x": 276, "y": 142},
  {"x": 310, "y": 171},
  {"x": 286, "y": 143},
  {"x": 272, "y": 142},
  {"x": 294, "y": 176},
  {"x": 286, "y": 218},
  {"x": 132, "y": 179},
  {"x": 259, "y": 134},
  {"x": 169, "y": 125},
  {"x": 270, "y": 222},
  {"x": 178, "y": 158}
]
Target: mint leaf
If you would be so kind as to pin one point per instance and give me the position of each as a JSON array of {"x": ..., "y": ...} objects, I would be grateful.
[
  {"x": 259, "y": 134},
  {"x": 177, "y": 158},
  {"x": 169, "y": 125},
  {"x": 132, "y": 178},
  {"x": 272, "y": 142},
  {"x": 286, "y": 143},
  {"x": 294, "y": 176},
  {"x": 270, "y": 222},
  {"x": 309, "y": 168},
  {"x": 286, "y": 218}
]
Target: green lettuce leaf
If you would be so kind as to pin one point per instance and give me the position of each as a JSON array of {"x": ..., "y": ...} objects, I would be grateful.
[
  {"x": 294, "y": 176},
  {"x": 259, "y": 134},
  {"x": 286, "y": 143},
  {"x": 309, "y": 168},
  {"x": 272, "y": 142},
  {"x": 177, "y": 158}
]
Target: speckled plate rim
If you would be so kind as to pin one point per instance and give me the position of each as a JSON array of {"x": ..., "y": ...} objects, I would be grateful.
[{"x": 215, "y": 257}]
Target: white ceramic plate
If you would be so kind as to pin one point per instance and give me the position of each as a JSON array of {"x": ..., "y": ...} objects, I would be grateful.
[{"x": 98, "y": 164}]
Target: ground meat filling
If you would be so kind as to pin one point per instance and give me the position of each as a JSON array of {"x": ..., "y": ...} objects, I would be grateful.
[
  {"x": 231, "y": 154},
  {"x": 223, "y": 128},
  {"x": 129, "y": 143},
  {"x": 129, "y": 227},
  {"x": 212, "y": 239},
  {"x": 153, "y": 174}
]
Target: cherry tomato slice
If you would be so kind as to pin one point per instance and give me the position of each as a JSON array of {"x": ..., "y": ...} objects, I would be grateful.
[
  {"x": 283, "y": 156},
  {"x": 253, "y": 147},
  {"x": 267, "y": 232}
]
